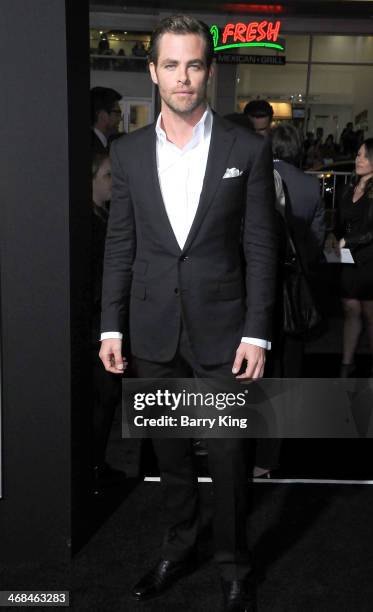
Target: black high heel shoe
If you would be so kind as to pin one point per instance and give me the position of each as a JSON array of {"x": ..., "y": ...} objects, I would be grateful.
[{"x": 346, "y": 370}]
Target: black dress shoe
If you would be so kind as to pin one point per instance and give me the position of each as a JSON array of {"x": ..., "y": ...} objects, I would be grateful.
[
  {"x": 239, "y": 595},
  {"x": 104, "y": 477},
  {"x": 161, "y": 577}
]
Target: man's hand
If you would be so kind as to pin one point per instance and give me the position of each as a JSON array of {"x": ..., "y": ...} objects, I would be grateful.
[
  {"x": 255, "y": 360},
  {"x": 111, "y": 355}
]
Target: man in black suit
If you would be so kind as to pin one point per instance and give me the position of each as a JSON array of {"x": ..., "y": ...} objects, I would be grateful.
[
  {"x": 306, "y": 213},
  {"x": 106, "y": 116},
  {"x": 179, "y": 223},
  {"x": 259, "y": 114}
]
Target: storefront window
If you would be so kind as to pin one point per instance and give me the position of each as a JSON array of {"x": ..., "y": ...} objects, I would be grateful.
[
  {"x": 296, "y": 48},
  {"x": 277, "y": 82},
  {"x": 357, "y": 49},
  {"x": 332, "y": 84},
  {"x": 338, "y": 95},
  {"x": 338, "y": 92}
]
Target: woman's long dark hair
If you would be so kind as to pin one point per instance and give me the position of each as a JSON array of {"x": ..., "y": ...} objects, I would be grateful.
[{"x": 368, "y": 144}]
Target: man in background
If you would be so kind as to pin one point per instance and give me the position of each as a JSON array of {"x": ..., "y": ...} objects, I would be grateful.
[
  {"x": 106, "y": 116},
  {"x": 260, "y": 115}
]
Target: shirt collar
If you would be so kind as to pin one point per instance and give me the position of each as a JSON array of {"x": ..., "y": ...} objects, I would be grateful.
[
  {"x": 101, "y": 136},
  {"x": 201, "y": 131}
]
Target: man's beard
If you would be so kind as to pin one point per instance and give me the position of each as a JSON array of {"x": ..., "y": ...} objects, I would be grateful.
[{"x": 182, "y": 108}]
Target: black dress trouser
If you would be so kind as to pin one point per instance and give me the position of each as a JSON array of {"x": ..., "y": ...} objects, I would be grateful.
[
  {"x": 107, "y": 390},
  {"x": 228, "y": 465}
]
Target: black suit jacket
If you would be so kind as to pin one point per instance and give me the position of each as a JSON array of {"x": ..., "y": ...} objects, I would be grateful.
[
  {"x": 98, "y": 235},
  {"x": 151, "y": 281},
  {"x": 306, "y": 212}
]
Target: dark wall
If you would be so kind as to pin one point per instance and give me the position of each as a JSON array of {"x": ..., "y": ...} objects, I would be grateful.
[
  {"x": 78, "y": 82},
  {"x": 41, "y": 56}
]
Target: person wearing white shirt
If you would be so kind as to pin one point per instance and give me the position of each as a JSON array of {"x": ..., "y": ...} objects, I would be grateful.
[{"x": 189, "y": 280}]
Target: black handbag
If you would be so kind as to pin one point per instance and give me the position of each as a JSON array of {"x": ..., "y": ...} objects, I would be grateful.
[{"x": 300, "y": 313}]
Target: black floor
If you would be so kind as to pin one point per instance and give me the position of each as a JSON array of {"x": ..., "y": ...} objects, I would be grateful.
[
  {"x": 312, "y": 542},
  {"x": 312, "y": 546},
  {"x": 323, "y": 459}
]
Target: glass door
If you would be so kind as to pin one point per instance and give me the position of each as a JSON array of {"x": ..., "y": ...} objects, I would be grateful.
[{"x": 136, "y": 113}]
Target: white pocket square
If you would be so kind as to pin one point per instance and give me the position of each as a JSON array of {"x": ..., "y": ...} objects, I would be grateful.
[{"x": 232, "y": 173}]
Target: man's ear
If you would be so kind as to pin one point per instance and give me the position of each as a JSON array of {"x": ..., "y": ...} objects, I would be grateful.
[
  {"x": 211, "y": 73},
  {"x": 153, "y": 73}
]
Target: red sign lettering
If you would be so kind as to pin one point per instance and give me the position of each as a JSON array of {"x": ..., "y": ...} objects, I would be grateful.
[
  {"x": 228, "y": 31},
  {"x": 239, "y": 32},
  {"x": 251, "y": 31},
  {"x": 273, "y": 31},
  {"x": 262, "y": 31},
  {"x": 254, "y": 31}
]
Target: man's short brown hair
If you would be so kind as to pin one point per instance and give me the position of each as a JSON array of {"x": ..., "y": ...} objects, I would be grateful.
[{"x": 181, "y": 24}]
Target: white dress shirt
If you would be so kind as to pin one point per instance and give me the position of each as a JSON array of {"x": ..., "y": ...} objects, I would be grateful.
[
  {"x": 101, "y": 137},
  {"x": 181, "y": 172}
]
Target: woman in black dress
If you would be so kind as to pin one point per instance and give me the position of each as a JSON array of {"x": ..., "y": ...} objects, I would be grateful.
[{"x": 355, "y": 232}]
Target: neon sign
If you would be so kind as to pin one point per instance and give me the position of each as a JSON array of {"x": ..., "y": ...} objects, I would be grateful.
[
  {"x": 254, "y": 34},
  {"x": 257, "y": 9}
]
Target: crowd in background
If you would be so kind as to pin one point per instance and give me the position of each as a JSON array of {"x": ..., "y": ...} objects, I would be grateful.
[
  {"x": 302, "y": 235},
  {"x": 318, "y": 153},
  {"x": 126, "y": 58}
]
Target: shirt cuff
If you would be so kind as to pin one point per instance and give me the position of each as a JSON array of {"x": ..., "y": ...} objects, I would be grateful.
[
  {"x": 113, "y": 334},
  {"x": 257, "y": 342}
]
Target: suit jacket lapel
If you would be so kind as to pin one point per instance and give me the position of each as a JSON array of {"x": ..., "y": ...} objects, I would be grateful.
[
  {"x": 222, "y": 139},
  {"x": 161, "y": 219}
]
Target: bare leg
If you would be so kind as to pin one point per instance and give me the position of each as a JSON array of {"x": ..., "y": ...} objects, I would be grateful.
[
  {"x": 352, "y": 326},
  {"x": 367, "y": 307}
]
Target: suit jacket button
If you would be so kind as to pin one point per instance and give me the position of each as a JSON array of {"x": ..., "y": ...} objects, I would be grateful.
[
  {"x": 176, "y": 291},
  {"x": 184, "y": 258}
]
